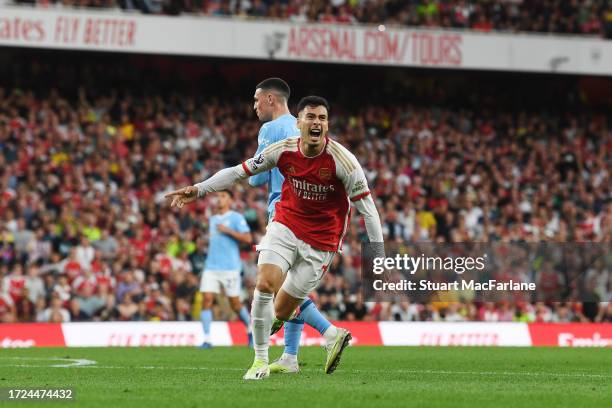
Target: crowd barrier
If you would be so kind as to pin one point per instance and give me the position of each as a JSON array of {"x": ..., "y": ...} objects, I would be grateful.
[{"x": 137, "y": 334}]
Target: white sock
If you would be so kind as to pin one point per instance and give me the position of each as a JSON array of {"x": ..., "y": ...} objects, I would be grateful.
[
  {"x": 330, "y": 334},
  {"x": 289, "y": 357},
  {"x": 262, "y": 311},
  {"x": 206, "y": 338}
]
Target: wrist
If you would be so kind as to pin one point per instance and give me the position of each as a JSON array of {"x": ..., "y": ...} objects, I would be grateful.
[{"x": 199, "y": 191}]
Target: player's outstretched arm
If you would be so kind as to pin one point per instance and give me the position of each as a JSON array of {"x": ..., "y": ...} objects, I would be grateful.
[
  {"x": 182, "y": 196},
  {"x": 221, "y": 180},
  {"x": 224, "y": 179}
]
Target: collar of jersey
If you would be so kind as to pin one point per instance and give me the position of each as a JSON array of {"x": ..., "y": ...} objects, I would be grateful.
[{"x": 311, "y": 157}]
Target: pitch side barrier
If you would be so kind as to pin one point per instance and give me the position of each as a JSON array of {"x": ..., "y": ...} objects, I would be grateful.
[{"x": 189, "y": 334}]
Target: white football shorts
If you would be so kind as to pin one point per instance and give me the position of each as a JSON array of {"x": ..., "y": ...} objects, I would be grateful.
[
  {"x": 303, "y": 264},
  {"x": 212, "y": 280}
]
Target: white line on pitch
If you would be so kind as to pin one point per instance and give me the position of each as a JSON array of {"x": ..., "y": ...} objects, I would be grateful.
[
  {"x": 68, "y": 362},
  {"x": 443, "y": 372}
]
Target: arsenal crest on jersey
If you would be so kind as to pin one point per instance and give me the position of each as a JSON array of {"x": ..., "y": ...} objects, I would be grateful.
[{"x": 325, "y": 173}]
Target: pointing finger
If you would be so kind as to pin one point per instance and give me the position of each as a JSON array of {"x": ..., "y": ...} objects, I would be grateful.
[{"x": 173, "y": 193}]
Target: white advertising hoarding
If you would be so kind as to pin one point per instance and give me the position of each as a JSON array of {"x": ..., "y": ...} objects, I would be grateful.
[
  {"x": 236, "y": 38},
  {"x": 454, "y": 334},
  {"x": 142, "y": 334}
]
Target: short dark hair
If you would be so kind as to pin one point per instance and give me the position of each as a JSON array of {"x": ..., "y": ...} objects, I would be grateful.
[
  {"x": 312, "y": 100},
  {"x": 275, "y": 84}
]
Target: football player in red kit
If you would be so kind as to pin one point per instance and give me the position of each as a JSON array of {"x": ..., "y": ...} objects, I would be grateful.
[{"x": 322, "y": 178}]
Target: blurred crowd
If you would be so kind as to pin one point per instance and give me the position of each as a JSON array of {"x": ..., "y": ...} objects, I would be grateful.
[
  {"x": 592, "y": 17},
  {"x": 85, "y": 232}
]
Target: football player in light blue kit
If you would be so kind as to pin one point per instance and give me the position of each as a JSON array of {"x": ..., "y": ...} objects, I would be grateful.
[
  {"x": 223, "y": 265},
  {"x": 270, "y": 104}
]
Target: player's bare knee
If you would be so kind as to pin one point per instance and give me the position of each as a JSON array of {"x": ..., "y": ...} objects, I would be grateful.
[
  {"x": 265, "y": 285},
  {"x": 235, "y": 304},
  {"x": 207, "y": 301},
  {"x": 269, "y": 278},
  {"x": 283, "y": 315}
]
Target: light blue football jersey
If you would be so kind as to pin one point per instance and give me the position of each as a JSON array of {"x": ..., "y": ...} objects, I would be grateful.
[
  {"x": 271, "y": 132},
  {"x": 223, "y": 250}
]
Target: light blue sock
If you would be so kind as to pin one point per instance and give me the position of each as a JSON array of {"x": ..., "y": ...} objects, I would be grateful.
[
  {"x": 293, "y": 332},
  {"x": 311, "y": 315},
  {"x": 245, "y": 317},
  {"x": 206, "y": 318}
]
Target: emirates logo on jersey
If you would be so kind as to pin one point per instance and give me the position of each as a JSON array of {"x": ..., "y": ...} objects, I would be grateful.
[
  {"x": 311, "y": 191},
  {"x": 325, "y": 173}
]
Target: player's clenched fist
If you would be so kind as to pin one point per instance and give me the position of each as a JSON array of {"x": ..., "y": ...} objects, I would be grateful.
[{"x": 182, "y": 196}]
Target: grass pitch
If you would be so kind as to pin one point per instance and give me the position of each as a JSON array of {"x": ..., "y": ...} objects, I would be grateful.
[{"x": 370, "y": 377}]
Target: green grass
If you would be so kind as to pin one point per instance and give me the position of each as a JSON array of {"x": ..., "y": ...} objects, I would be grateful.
[{"x": 370, "y": 377}]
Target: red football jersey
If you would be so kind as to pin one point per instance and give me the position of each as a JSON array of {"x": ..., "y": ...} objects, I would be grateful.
[
  {"x": 15, "y": 287},
  {"x": 105, "y": 279},
  {"x": 315, "y": 195},
  {"x": 82, "y": 281},
  {"x": 73, "y": 270}
]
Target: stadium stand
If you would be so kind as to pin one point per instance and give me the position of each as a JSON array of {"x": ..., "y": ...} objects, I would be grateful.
[
  {"x": 85, "y": 233},
  {"x": 568, "y": 17}
]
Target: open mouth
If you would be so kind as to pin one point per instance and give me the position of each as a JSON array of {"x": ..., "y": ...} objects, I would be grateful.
[{"x": 315, "y": 132}]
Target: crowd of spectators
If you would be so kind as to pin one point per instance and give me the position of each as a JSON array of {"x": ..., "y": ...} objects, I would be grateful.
[
  {"x": 85, "y": 232},
  {"x": 589, "y": 17}
]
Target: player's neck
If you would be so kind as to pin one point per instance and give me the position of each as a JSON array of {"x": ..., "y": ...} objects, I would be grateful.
[
  {"x": 222, "y": 211},
  {"x": 281, "y": 111},
  {"x": 310, "y": 150}
]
